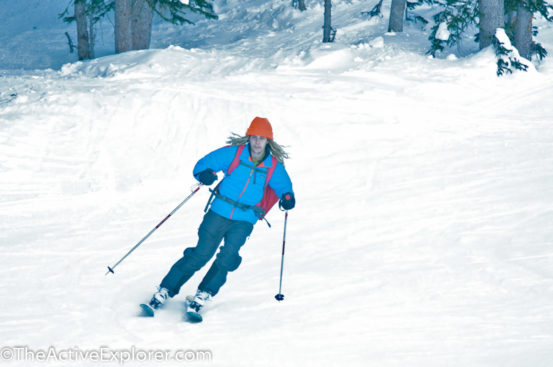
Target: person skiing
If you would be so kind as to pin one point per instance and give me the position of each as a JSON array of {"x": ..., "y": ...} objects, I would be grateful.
[{"x": 232, "y": 210}]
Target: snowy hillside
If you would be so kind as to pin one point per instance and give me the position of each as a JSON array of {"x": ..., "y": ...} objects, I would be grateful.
[{"x": 422, "y": 234}]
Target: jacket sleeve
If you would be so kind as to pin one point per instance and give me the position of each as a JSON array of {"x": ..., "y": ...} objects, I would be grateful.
[
  {"x": 218, "y": 160},
  {"x": 280, "y": 181}
]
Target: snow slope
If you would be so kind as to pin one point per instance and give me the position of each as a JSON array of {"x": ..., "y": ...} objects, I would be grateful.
[{"x": 422, "y": 232}]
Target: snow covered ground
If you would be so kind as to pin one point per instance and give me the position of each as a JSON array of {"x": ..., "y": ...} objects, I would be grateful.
[{"x": 423, "y": 229}]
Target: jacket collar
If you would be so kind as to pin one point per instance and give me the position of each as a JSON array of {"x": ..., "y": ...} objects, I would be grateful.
[{"x": 266, "y": 158}]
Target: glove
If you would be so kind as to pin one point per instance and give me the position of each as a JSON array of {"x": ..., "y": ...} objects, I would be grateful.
[
  {"x": 207, "y": 177},
  {"x": 287, "y": 201}
]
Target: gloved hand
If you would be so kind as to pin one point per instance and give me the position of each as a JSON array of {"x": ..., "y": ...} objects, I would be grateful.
[
  {"x": 287, "y": 201},
  {"x": 207, "y": 177}
]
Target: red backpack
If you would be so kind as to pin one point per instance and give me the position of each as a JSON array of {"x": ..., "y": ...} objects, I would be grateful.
[{"x": 269, "y": 196}]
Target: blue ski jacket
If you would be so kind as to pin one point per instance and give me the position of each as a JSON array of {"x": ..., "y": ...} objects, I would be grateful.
[{"x": 246, "y": 184}]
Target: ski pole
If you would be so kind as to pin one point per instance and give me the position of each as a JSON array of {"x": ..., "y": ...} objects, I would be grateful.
[
  {"x": 195, "y": 189},
  {"x": 280, "y": 297}
]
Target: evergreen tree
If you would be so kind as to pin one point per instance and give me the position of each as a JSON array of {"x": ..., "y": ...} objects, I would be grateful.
[
  {"x": 122, "y": 26},
  {"x": 328, "y": 31},
  {"x": 397, "y": 14},
  {"x": 514, "y": 16},
  {"x": 491, "y": 17},
  {"x": 376, "y": 11},
  {"x": 86, "y": 14},
  {"x": 519, "y": 15},
  {"x": 522, "y": 38},
  {"x": 133, "y": 20},
  {"x": 85, "y": 50},
  {"x": 176, "y": 11},
  {"x": 451, "y": 23},
  {"x": 141, "y": 24},
  {"x": 411, "y": 16},
  {"x": 299, "y": 4},
  {"x": 508, "y": 57},
  {"x": 133, "y": 24}
]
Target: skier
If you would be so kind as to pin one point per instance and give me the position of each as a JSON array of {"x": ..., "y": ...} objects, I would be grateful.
[{"x": 232, "y": 213}]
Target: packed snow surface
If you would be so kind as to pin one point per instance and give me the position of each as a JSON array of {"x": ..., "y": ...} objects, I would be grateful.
[{"x": 423, "y": 231}]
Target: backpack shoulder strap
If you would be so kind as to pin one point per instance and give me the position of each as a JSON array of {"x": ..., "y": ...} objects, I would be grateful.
[
  {"x": 235, "y": 162},
  {"x": 236, "y": 159},
  {"x": 271, "y": 170}
]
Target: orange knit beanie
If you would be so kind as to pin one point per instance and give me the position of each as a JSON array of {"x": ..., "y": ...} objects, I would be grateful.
[{"x": 260, "y": 126}]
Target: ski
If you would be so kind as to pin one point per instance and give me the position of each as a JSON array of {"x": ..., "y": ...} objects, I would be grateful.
[
  {"x": 191, "y": 314},
  {"x": 147, "y": 310}
]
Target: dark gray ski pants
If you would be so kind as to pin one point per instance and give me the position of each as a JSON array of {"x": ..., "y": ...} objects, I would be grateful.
[{"x": 212, "y": 231}]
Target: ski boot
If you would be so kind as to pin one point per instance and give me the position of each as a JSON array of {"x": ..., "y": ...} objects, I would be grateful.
[
  {"x": 156, "y": 302},
  {"x": 196, "y": 304}
]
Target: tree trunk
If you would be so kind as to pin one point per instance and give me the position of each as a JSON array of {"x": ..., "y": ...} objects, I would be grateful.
[
  {"x": 523, "y": 31},
  {"x": 327, "y": 27},
  {"x": 491, "y": 17},
  {"x": 301, "y": 5},
  {"x": 91, "y": 36},
  {"x": 141, "y": 24},
  {"x": 123, "y": 39},
  {"x": 397, "y": 15},
  {"x": 82, "y": 30}
]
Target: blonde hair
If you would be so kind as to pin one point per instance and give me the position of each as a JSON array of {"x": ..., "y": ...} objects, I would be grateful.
[{"x": 276, "y": 149}]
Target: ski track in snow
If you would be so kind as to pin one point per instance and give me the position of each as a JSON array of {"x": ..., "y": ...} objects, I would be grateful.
[
  {"x": 422, "y": 232},
  {"x": 416, "y": 239}
]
